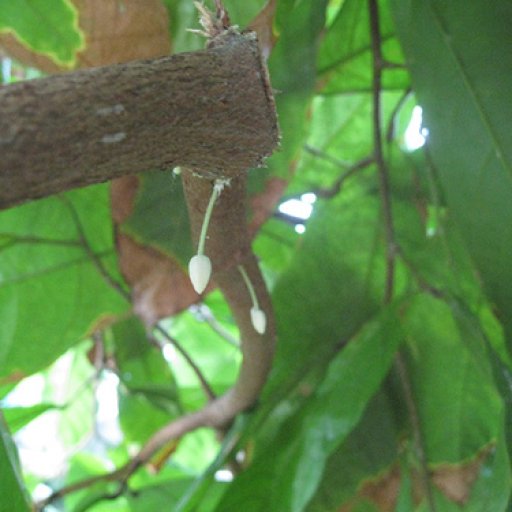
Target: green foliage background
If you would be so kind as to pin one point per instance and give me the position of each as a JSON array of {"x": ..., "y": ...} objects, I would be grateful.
[{"x": 357, "y": 384}]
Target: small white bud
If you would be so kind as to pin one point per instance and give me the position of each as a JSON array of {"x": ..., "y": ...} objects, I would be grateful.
[
  {"x": 259, "y": 320},
  {"x": 200, "y": 269}
]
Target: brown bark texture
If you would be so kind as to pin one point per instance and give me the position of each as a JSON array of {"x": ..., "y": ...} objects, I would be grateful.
[{"x": 210, "y": 110}]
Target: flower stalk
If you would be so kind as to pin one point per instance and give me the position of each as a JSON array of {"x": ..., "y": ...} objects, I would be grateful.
[
  {"x": 200, "y": 266},
  {"x": 258, "y": 316}
]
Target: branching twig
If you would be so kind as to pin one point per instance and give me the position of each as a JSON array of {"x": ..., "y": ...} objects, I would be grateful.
[
  {"x": 334, "y": 189},
  {"x": 379, "y": 64},
  {"x": 204, "y": 383}
]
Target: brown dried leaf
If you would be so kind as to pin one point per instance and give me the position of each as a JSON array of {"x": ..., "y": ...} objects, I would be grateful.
[
  {"x": 263, "y": 25},
  {"x": 115, "y": 32},
  {"x": 455, "y": 481},
  {"x": 381, "y": 491},
  {"x": 160, "y": 287}
]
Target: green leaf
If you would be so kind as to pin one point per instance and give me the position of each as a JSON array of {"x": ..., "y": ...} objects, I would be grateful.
[
  {"x": 368, "y": 452},
  {"x": 286, "y": 473},
  {"x": 18, "y": 417},
  {"x": 51, "y": 293},
  {"x": 50, "y": 28},
  {"x": 451, "y": 379},
  {"x": 160, "y": 216},
  {"x": 345, "y": 55},
  {"x": 292, "y": 67},
  {"x": 331, "y": 288},
  {"x": 465, "y": 95},
  {"x": 148, "y": 395},
  {"x": 216, "y": 358},
  {"x": 14, "y": 496}
]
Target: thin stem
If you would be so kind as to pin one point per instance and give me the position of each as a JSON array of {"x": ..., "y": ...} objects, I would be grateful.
[
  {"x": 379, "y": 64},
  {"x": 204, "y": 314},
  {"x": 250, "y": 287},
  {"x": 334, "y": 189},
  {"x": 206, "y": 220},
  {"x": 419, "y": 442},
  {"x": 204, "y": 383},
  {"x": 91, "y": 254},
  {"x": 385, "y": 192}
]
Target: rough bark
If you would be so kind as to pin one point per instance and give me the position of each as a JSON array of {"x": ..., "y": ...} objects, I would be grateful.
[{"x": 210, "y": 110}]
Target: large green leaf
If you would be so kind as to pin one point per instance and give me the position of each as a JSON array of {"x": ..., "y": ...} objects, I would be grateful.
[
  {"x": 331, "y": 287},
  {"x": 50, "y": 28},
  {"x": 14, "y": 496},
  {"x": 51, "y": 293},
  {"x": 465, "y": 94},
  {"x": 369, "y": 451},
  {"x": 292, "y": 67},
  {"x": 345, "y": 56},
  {"x": 452, "y": 381},
  {"x": 286, "y": 473}
]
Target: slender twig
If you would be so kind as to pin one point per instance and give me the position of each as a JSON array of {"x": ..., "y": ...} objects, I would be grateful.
[
  {"x": 204, "y": 383},
  {"x": 348, "y": 167},
  {"x": 379, "y": 65},
  {"x": 325, "y": 156},
  {"x": 13, "y": 239},
  {"x": 387, "y": 64},
  {"x": 385, "y": 191},
  {"x": 204, "y": 314},
  {"x": 90, "y": 252},
  {"x": 334, "y": 189}
]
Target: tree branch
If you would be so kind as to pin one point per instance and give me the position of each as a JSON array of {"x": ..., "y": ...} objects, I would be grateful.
[
  {"x": 211, "y": 110},
  {"x": 227, "y": 245}
]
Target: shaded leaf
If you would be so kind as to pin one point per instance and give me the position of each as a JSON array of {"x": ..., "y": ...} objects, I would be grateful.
[
  {"x": 286, "y": 474},
  {"x": 465, "y": 97},
  {"x": 452, "y": 381}
]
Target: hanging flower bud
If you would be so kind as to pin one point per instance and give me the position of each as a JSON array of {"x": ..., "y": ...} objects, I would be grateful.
[
  {"x": 200, "y": 270},
  {"x": 259, "y": 320}
]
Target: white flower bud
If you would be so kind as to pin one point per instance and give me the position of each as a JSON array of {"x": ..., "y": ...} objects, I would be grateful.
[
  {"x": 259, "y": 320},
  {"x": 200, "y": 270}
]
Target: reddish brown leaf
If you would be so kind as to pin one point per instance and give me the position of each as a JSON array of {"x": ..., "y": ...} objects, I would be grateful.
[
  {"x": 455, "y": 481},
  {"x": 263, "y": 25},
  {"x": 160, "y": 287}
]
